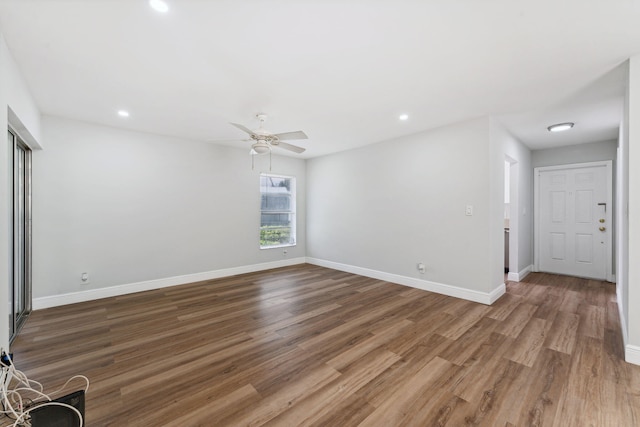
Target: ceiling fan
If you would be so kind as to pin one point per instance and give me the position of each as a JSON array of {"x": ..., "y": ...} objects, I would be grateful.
[{"x": 265, "y": 140}]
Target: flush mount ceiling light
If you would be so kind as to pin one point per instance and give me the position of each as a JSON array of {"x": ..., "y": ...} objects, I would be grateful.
[
  {"x": 159, "y": 6},
  {"x": 403, "y": 117},
  {"x": 560, "y": 127},
  {"x": 123, "y": 113}
]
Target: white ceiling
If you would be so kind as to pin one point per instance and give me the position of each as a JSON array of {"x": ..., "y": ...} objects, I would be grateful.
[{"x": 342, "y": 71}]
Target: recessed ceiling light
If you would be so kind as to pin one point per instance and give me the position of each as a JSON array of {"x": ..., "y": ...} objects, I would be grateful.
[
  {"x": 159, "y": 6},
  {"x": 123, "y": 113},
  {"x": 560, "y": 127},
  {"x": 403, "y": 117}
]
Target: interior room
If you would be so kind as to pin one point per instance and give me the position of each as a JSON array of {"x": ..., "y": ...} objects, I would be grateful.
[{"x": 320, "y": 213}]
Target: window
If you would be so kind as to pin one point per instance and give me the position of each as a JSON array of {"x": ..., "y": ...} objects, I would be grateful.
[{"x": 277, "y": 211}]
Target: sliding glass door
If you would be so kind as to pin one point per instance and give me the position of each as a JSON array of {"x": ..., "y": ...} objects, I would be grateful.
[{"x": 20, "y": 291}]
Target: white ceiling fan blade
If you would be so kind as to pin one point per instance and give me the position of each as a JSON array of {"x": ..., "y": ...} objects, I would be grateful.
[
  {"x": 226, "y": 141},
  {"x": 292, "y": 135},
  {"x": 289, "y": 147},
  {"x": 249, "y": 131}
]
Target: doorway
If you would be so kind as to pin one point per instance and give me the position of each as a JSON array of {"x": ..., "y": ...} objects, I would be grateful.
[
  {"x": 20, "y": 289},
  {"x": 511, "y": 219},
  {"x": 573, "y": 219}
]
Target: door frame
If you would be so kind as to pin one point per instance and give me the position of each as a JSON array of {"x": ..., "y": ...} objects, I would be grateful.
[
  {"x": 514, "y": 219},
  {"x": 608, "y": 164},
  {"x": 18, "y": 319}
]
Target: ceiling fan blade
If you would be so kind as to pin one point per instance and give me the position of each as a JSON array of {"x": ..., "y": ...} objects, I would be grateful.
[
  {"x": 227, "y": 141},
  {"x": 292, "y": 135},
  {"x": 249, "y": 131},
  {"x": 289, "y": 147}
]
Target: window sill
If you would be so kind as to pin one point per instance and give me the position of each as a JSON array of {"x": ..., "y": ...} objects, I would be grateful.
[{"x": 285, "y": 245}]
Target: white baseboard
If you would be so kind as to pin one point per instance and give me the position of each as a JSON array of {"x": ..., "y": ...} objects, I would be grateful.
[
  {"x": 129, "y": 288},
  {"x": 112, "y": 291},
  {"x": 440, "y": 288},
  {"x": 621, "y": 313},
  {"x": 632, "y": 354},
  {"x": 517, "y": 277}
]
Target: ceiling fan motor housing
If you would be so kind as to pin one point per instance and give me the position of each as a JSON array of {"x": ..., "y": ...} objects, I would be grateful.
[{"x": 261, "y": 147}]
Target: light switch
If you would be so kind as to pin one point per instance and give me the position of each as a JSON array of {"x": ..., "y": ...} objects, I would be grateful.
[{"x": 468, "y": 210}]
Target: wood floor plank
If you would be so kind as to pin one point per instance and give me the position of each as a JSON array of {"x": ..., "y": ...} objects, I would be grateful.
[
  {"x": 517, "y": 320},
  {"x": 592, "y": 320},
  {"x": 309, "y": 410},
  {"x": 464, "y": 321},
  {"x": 395, "y": 409},
  {"x": 307, "y": 345},
  {"x": 481, "y": 367},
  {"x": 583, "y": 402},
  {"x": 417, "y": 333},
  {"x": 504, "y": 306},
  {"x": 366, "y": 317},
  {"x": 437, "y": 411},
  {"x": 543, "y": 388},
  {"x": 377, "y": 340},
  {"x": 387, "y": 383},
  {"x": 467, "y": 344},
  {"x": 562, "y": 336},
  {"x": 291, "y": 320},
  {"x": 276, "y": 403},
  {"x": 526, "y": 348},
  {"x": 505, "y": 389}
]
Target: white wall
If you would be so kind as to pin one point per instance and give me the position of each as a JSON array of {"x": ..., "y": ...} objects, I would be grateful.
[
  {"x": 18, "y": 108},
  {"x": 581, "y": 153},
  {"x": 521, "y": 200},
  {"x": 129, "y": 207},
  {"x": 622, "y": 222},
  {"x": 388, "y": 206},
  {"x": 632, "y": 286}
]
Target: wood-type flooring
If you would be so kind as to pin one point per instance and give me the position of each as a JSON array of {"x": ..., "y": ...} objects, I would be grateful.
[{"x": 310, "y": 346}]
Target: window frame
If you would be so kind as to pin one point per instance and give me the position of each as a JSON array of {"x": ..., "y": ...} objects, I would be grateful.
[{"x": 291, "y": 212}]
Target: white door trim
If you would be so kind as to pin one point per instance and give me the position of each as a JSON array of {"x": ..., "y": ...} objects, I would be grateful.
[{"x": 608, "y": 164}]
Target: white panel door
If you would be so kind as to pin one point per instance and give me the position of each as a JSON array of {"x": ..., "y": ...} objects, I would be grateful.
[{"x": 573, "y": 221}]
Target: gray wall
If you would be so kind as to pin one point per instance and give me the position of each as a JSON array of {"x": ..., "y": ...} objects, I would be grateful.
[
  {"x": 521, "y": 197},
  {"x": 128, "y": 207},
  {"x": 582, "y": 153},
  {"x": 18, "y": 109},
  {"x": 388, "y": 206},
  {"x": 632, "y": 137}
]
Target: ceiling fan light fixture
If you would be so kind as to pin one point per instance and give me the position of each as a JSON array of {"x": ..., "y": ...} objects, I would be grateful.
[
  {"x": 260, "y": 148},
  {"x": 560, "y": 127}
]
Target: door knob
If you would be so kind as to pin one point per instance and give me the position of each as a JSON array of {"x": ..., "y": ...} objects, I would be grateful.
[
  {"x": 602, "y": 228},
  {"x": 601, "y": 220}
]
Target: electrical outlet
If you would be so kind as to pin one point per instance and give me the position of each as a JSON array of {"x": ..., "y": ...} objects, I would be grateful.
[
  {"x": 284, "y": 252},
  {"x": 468, "y": 211},
  {"x": 421, "y": 268},
  {"x": 85, "y": 278}
]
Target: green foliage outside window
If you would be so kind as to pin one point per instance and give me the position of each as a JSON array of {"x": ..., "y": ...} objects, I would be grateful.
[{"x": 271, "y": 235}]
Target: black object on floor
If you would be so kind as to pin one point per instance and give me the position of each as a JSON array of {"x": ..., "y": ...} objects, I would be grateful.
[{"x": 59, "y": 416}]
